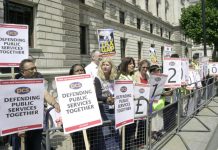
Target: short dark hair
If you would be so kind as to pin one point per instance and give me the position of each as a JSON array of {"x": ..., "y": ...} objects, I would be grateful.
[
  {"x": 21, "y": 65},
  {"x": 154, "y": 68},
  {"x": 174, "y": 56},
  {"x": 73, "y": 67},
  {"x": 195, "y": 56},
  {"x": 124, "y": 64}
]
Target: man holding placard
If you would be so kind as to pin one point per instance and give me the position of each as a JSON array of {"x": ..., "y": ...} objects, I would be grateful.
[{"x": 33, "y": 138}]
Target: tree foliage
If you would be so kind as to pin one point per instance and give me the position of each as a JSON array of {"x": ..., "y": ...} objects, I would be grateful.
[{"x": 191, "y": 22}]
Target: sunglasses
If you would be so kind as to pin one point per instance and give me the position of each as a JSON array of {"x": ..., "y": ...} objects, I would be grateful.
[{"x": 31, "y": 69}]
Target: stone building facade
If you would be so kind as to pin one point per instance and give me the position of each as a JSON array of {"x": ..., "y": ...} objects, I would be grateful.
[{"x": 64, "y": 31}]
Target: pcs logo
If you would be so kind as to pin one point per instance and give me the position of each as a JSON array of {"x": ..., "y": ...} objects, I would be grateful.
[
  {"x": 172, "y": 63},
  {"x": 141, "y": 90},
  {"x": 75, "y": 85},
  {"x": 22, "y": 90},
  {"x": 157, "y": 79},
  {"x": 123, "y": 89},
  {"x": 12, "y": 33}
]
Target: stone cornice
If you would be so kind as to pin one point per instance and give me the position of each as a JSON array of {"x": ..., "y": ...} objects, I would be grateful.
[{"x": 91, "y": 9}]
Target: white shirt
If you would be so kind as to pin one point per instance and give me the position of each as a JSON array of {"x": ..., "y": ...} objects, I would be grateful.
[{"x": 92, "y": 69}]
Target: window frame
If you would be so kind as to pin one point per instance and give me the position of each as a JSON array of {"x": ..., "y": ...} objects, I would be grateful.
[{"x": 84, "y": 41}]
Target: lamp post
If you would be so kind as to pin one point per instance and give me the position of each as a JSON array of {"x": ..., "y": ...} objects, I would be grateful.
[{"x": 203, "y": 26}]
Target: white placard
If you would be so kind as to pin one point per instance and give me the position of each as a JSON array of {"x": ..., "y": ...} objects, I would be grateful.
[
  {"x": 157, "y": 82},
  {"x": 191, "y": 81},
  {"x": 78, "y": 102},
  {"x": 172, "y": 67},
  {"x": 185, "y": 70},
  {"x": 213, "y": 68},
  {"x": 167, "y": 51},
  {"x": 141, "y": 99},
  {"x": 197, "y": 78},
  {"x": 124, "y": 103},
  {"x": 14, "y": 45},
  {"x": 203, "y": 63},
  {"x": 21, "y": 105}
]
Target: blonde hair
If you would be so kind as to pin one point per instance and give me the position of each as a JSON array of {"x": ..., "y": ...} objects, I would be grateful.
[{"x": 113, "y": 73}]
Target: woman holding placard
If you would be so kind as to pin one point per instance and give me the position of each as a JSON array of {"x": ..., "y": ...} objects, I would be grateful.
[
  {"x": 94, "y": 134},
  {"x": 127, "y": 72},
  {"x": 104, "y": 85}
]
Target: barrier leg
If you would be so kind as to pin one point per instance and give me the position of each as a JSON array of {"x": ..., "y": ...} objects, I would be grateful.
[
  {"x": 47, "y": 140},
  {"x": 123, "y": 138}
]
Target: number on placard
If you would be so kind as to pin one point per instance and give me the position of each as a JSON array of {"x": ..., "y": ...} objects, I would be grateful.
[
  {"x": 155, "y": 88},
  {"x": 174, "y": 73}
]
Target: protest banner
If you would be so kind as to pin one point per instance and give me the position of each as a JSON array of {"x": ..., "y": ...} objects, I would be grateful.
[
  {"x": 14, "y": 45},
  {"x": 78, "y": 102},
  {"x": 141, "y": 99},
  {"x": 157, "y": 82},
  {"x": 172, "y": 67},
  {"x": 106, "y": 42},
  {"x": 124, "y": 103},
  {"x": 213, "y": 68},
  {"x": 167, "y": 51},
  {"x": 21, "y": 105},
  {"x": 184, "y": 70}
]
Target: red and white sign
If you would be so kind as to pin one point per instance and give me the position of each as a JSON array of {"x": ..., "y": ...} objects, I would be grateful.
[
  {"x": 141, "y": 99},
  {"x": 78, "y": 102},
  {"x": 14, "y": 45},
  {"x": 21, "y": 105},
  {"x": 124, "y": 103},
  {"x": 172, "y": 67}
]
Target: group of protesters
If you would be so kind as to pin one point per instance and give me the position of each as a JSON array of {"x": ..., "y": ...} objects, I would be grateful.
[{"x": 104, "y": 73}]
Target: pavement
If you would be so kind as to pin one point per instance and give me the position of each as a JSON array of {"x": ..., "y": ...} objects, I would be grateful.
[{"x": 195, "y": 135}]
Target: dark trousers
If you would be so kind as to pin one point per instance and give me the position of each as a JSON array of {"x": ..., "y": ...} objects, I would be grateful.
[{"x": 33, "y": 139}]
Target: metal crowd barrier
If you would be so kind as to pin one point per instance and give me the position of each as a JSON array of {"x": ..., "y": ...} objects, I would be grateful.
[{"x": 149, "y": 133}]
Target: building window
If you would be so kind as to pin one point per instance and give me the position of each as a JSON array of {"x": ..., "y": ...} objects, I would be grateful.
[
  {"x": 138, "y": 23},
  {"x": 83, "y": 40},
  {"x": 169, "y": 35},
  {"x": 151, "y": 28},
  {"x": 157, "y": 6},
  {"x": 161, "y": 32},
  {"x": 122, "y": 17},
  {"x": 122, "y": 47},
  {"x": 20, "y": 14},
  {"x": 139, "y": 50},
  {"x": 146, "y": 4},
  {"x": 82, "y": 1},
  {"x": 166, "y": 9}
]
